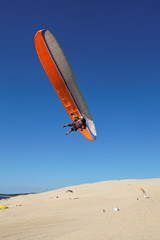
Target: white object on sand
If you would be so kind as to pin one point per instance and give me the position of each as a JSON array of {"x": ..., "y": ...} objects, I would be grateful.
[{"x": 116, "y": 209}]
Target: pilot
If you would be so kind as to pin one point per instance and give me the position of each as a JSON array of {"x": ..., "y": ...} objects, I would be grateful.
[{"x": 78, "y": 123}]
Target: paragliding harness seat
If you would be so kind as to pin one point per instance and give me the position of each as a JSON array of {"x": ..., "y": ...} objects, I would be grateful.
[{"x": 76, "y": 125}]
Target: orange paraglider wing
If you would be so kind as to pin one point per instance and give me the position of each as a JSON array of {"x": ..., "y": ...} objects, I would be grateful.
[{"x": 62, "y": 78}]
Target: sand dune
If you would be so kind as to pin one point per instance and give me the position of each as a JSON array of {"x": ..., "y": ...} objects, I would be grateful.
[{"x": 85, "y": 214}]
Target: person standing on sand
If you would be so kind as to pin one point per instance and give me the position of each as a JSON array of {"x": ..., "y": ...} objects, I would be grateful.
[{"x": 78, "y": 123}]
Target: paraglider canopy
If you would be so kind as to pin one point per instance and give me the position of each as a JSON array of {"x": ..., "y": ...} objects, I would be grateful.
[
  {"x": 62, "y": 78},
  {"x": 3, "y": 207}
]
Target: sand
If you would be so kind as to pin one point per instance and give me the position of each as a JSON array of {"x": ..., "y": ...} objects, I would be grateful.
[{"x": 86, "y": 214}]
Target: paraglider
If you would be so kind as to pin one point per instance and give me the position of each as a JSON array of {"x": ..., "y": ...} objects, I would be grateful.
[
  {"x": 3, "y": 207},
  {"x": 69, "y": 191},
  {"x": 144, "y": 193},
  {"x": 78, "y": 123},
  {"x": 62, "y": 78}
]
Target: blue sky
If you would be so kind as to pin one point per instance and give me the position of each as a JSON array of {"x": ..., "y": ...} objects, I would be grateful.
[{"x": 113, "y": 48}]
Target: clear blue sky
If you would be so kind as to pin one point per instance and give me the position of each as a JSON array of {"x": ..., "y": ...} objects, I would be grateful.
[{"x": 113, "y": 48}]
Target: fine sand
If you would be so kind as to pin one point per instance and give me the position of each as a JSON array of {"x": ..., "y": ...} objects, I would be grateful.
[{"x": 87, "y": 213}]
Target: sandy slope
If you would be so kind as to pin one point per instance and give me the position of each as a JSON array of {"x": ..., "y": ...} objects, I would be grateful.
[{"x": 85, "y": 214}]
